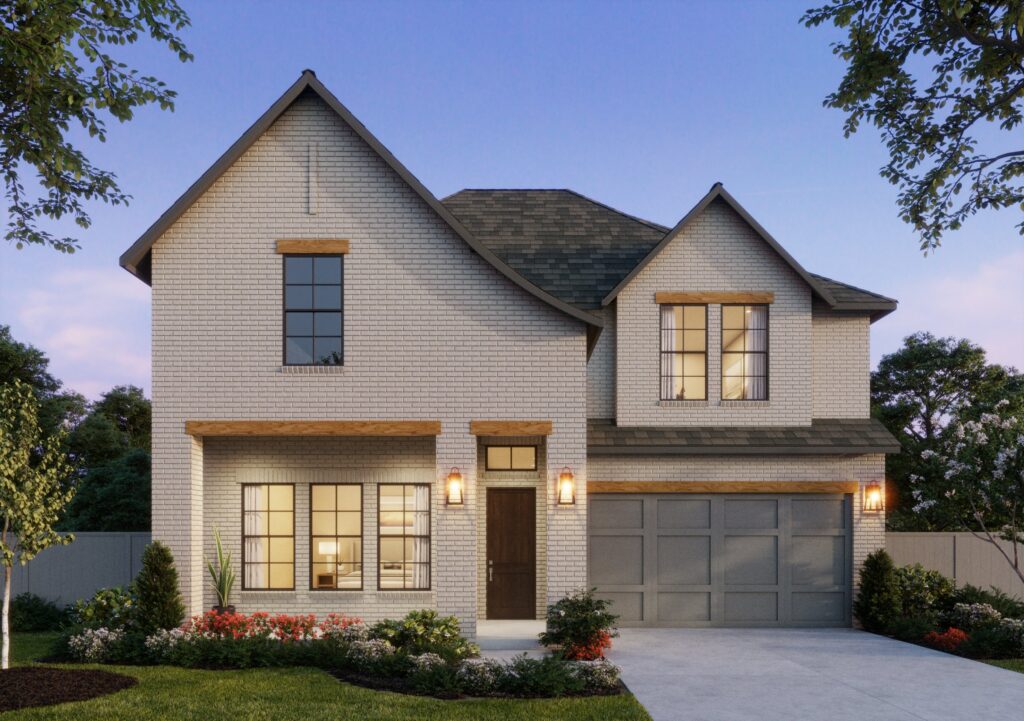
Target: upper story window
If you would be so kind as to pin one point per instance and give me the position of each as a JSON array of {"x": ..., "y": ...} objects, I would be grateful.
[
  {"x": 313, "y": 310},
  {"x": 745, "y": 352},
  {"x": 684, "y": 356},
  {"x": 268, "y": 536},
  {"x": 511, "y": 458}
]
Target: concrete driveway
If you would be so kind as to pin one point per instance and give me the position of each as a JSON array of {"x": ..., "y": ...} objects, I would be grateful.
[{"x": 812, "y": 675}]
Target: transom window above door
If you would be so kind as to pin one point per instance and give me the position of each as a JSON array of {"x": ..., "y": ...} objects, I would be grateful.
[
  {"x": 511, "y": 458},
  {"x": 313, "y": 310},
  {"x": 684, "y": 352}
]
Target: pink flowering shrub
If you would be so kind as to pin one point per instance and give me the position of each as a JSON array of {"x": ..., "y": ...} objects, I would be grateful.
[{"x": 280, "y": 627}]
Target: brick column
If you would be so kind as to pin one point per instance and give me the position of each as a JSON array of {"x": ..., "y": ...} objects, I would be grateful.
[
  {"x": 454, "y": 540},
  {"x": 567, "y": 525}
]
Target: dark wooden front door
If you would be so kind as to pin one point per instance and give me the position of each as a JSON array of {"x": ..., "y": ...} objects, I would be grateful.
[{"x": 511, "y": 553}]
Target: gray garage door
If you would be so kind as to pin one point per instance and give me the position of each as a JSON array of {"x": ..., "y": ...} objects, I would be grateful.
[{"x": 722, "y": 560}]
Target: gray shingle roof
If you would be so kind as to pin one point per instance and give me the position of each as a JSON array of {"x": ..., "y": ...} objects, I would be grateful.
[
  {"x": 826, "y": 436},
  {"x": 579, "y": 250}
]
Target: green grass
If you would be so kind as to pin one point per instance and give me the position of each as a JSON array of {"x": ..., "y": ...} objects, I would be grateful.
[
  {"x": 1011, "y": 664},
  {"x": 301, "y": 694}
]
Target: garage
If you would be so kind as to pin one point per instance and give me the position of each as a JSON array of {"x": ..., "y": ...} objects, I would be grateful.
[{"x": 722, "y": 559}]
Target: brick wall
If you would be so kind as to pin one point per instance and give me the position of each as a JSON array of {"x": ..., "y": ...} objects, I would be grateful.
[
  {"x": 601, "y": 370},
  {"x": 842, "y": 365}
]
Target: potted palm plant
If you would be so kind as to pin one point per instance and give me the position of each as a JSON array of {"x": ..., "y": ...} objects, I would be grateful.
[{"x": 223, "y": 576}]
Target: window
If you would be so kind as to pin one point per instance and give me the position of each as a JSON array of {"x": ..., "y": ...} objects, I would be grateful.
[
  {"x": 745, "y": 352},
  {"x": 268, "y": 536},
  {"x": 403, "y": 536},
  {"x": 312, "y": 310},
  {"x": 336, "y": 536},
  {"x": 684, "y": 352},
  {"x": 511, "y": 458}
]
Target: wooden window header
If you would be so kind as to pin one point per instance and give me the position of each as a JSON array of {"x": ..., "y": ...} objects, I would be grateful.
[
  {"x": 316, "y": 246},
  {"x": 671, "y": 297},
  {"x": 722, "y": 486},
  {"x": 313, "y": 428},
  {"x": 510, "y": 428}
]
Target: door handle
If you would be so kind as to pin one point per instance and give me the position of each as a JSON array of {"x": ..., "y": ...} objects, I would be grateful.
[{"x": 490, "y": 571}]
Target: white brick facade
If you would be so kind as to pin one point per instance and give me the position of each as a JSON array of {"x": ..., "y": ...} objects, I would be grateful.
[{"x": 842, "y": 362}]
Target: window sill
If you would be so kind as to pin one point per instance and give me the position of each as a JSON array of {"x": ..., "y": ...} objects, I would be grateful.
[
  {"x": 746, "y": 404},
  {"x": 682, "y": 404},
  {"x": 311, "y": 370}
]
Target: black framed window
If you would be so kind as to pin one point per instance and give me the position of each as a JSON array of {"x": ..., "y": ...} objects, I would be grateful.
[
  {"x": 403, "y": 540},
  {"x": 745, "y": 352},
  {"x": 268, "y": 536},
  {"x": 684, "y": 352},
  {"x": 510, "y": 458},
  {"x": 313, "y": 312},
  {"x": 336, "y": 536}
]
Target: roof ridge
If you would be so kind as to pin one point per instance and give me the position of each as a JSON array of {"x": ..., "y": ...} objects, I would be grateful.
[{"x": 649, "y": 223}]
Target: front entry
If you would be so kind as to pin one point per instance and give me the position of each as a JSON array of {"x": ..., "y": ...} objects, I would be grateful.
[{"x": 511, "y": 553}]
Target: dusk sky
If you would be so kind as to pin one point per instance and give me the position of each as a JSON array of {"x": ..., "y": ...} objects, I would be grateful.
[{"x": 641, "y": 105}]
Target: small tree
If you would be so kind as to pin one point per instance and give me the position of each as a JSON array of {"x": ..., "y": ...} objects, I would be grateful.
[
  {"x": 160, "y": 604},
  {"x": 978, "y": 478},
  {"x": 33, "y": 468},
  {"x": 879, "y": 600}
]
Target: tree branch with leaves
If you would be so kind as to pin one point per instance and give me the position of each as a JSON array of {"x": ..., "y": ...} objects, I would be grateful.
[
  {"x": 57, "y": 70},
  {"x": 936, "y": 77}
]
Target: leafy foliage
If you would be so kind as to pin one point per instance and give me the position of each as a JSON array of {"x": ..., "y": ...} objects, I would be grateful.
[
  {"x": 425, "y": 632},
  {"x": 223, "y": 574},
  {"x": 878, "y": 601},
  {"x": 934, "y": 117},
  {"x": 28, "y": 364},
  {"x": 159, "y": 600},
  {"x": 922, "y": 592},
  {"x": 917, "y": 392},
  {"x": 33, "y": 468},
  {"x": 581, "y": 625},
  {"x": 56, "y": 70},
  {"x": 112, "y": 608},
  {"x": 1002, "y": 602},
  {"x": 30, "y": 614},
  {"x": 113, "y": 497}
]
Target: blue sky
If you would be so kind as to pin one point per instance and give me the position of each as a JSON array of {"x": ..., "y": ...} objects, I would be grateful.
[{"x": 641, "y": 105}]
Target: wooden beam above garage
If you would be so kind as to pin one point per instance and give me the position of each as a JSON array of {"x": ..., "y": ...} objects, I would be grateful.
[
  {"x": 722, "y": 486},
  {"x": 510, "y": 428},
  {"x": 702, "y": 297},
  {"x": 316, "y": 246},
  {"x": 313, "y": 428}
]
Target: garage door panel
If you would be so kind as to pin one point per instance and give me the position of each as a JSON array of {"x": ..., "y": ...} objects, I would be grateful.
[
  {"x": 751, "y": 513},
  {"x": 684, "y": 560},
  {"x": 818, "y": 560},
  {"x": 629, "y": 606},
  {"x": 683, "y": 514},
  {"x": 617, "y": 560},
  {"x": 751, "y": 607},
  {"x": 614, "y": 513},
  {"x": 751, "y": 560},
  {"x": 818, "y": 513},
  {"x": 818, "y": 608},
  {"x": 684, "y": 607}
]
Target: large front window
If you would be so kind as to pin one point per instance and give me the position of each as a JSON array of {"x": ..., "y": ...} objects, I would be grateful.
[
  {"x": 336, "y": 541},
  {"x": 745, "y": 352},
  {"x": 313, "y": 310},
  {"x": 684, "y": 357},
  {"x": 268, "y": 536},
  {"x": 404, "y": 536}
]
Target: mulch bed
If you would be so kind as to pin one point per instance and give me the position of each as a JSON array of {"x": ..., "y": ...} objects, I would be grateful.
[
  {"x": 400, "y": 685},
  {"x": 27, "y": 686}
]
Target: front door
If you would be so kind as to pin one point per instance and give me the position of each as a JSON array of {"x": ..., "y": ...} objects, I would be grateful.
[{"x": 511, "y": 553}]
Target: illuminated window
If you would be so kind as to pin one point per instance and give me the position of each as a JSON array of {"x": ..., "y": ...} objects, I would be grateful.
[
  {"x": 268, "y": 536},
  {"x": 745, "y": 352},
  {"x": 511, "y": 458},
  {"x": 336, "y": 536},
  {"x": 403, "y": 536},
  {"x": 684, "y": 356}
]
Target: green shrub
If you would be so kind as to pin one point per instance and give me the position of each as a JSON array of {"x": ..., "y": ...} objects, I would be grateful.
[
  {"x": 159, "y": 599},
  {"x": 999, "y": 640},
  {"x": 879, "y": 602},
  {"x": 229, "y": 653},
  {"x": 425, "y": 632},
  {"x": 580, "y": 625},
  {"x": 110, "y": 608},
  {"x": 430, "y": 674},
  {"x": 1007, "y": 605},
  {"x": 911, "y": 628},
  {"x": 30, "y": 613},
  {"x": 922, "y": 592},
  {"x": 548, "y": 676}
]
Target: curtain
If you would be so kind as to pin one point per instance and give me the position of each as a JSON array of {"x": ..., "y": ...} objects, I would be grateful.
[
  {"x": 757, "y": 362},
  {"x": 255, "y": 523},
  {"x": 669, "y": 336},
  {"x": 421, "y": 541}
]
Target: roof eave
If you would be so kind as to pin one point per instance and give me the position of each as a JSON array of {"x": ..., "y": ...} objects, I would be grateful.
[{"x": 748, "y": 450}]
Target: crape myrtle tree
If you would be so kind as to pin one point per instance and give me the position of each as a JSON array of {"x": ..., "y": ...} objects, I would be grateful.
[
  {"x": 943, "y": 81},
  {"x": 57, "y": 71},
  {"x": 33, "y": 492}
]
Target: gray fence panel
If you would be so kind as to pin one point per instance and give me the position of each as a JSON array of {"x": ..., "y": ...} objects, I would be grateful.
[
  {"x": 961, "y": 556},
  {"x": 63, "y": 574}
]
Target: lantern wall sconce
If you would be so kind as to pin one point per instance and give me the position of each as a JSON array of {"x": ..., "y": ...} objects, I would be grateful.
[
  {"x": 453, "y": 488},
  {"x": 873, "y": 500},
  {"x": 566, "y": 487}
]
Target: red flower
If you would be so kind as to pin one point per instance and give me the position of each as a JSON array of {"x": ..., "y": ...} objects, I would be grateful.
[
  {"x": 949, "y": 640},
  {"x": 590, "y": 651}
]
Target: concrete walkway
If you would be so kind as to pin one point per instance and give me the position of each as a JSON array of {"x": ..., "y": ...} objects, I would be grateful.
[{"x": 807, "y": 675}]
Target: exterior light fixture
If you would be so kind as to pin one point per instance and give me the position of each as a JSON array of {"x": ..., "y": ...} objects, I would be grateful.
[
  {"x": 566, "y": 487},
  {"x": 453, "y": 494},
  {"x": 874, "y": 499}
]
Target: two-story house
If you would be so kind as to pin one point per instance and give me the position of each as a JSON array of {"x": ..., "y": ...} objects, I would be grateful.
[{"x": 385, "y": 401}]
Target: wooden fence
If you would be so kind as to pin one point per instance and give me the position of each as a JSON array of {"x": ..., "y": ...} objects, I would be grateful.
[{"x": 961, "y": 556}]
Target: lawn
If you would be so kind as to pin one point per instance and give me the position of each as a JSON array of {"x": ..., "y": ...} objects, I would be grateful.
[
  {"x": 301, "y": 694},
  {"x": 1012, "y": 664}
]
